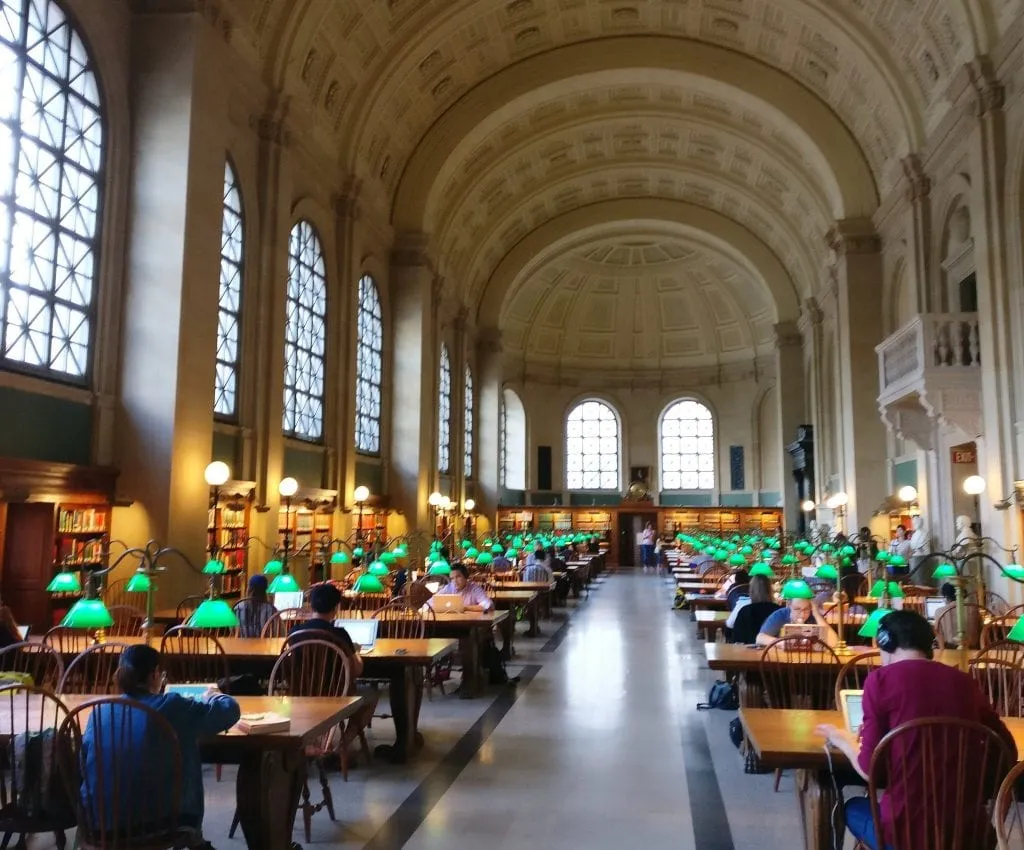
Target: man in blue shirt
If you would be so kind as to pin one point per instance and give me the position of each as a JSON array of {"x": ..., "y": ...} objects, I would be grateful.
[{"x": 799, "y": 611}]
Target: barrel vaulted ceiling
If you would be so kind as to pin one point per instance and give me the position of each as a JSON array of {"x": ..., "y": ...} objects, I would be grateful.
[{"x": 491, "y": 125}]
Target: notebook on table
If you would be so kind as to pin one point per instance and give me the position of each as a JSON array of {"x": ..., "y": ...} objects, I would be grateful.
[
  {"x": 448, "y": 603},
  {"x": 851, "y": 703},
  {"x": 263, "y": 723},
  {"x": 362, "y": 632}
]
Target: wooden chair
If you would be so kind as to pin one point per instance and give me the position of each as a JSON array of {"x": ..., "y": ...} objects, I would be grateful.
[
  {"x": 39, "y": 660},
  {"x": 735, "y": 593},
  {"x": 972, "y": 612},
  {"x": 192, "y": 655},
  {"x": 999, "y": 671},
  {"x": 250, "y": 617},
  {"x": 366, "y": 604},
  {"x": 798, "y": 672},
  {"x": 92, "y": 671},
  {"x": 951, "y": 804},
  {"x": 139, "y": 783},
  {"x": 281, "y": 622},
  {"x": 417, "y": 594},
  {"x": 29, "y": 711},
  {"x": 400, "y": 621},
  {"x": 995, "y": 630},
  {"x": 187, "y": 607},
  {"x": 68, "y": 641},
  {"x": 997, "y": 605},
  {"x": 128, "y": 621},
  {"x": 855, "y": 671},
  {"x": 115, "y": 593},
  {"x": 1008, "y": 812}
]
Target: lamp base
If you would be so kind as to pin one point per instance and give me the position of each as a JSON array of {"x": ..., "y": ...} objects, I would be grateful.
[{"x": 841, "y": 648}]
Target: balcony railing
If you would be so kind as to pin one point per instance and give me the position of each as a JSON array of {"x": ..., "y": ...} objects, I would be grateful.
[{"x": 945, "y": 343}]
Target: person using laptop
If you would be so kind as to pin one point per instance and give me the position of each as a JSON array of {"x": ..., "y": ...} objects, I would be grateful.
[
  {"x": 798, "y": 612},
  {"x": 474, "y": 597},
  {"x": 256, "y": 609},
  {"x": 139, "y": 676},
  {"x": 946, "y": 625},
  {"x": 751, "y": 611},
  {"x": 325, "y": 600},
  {"x": 540, "y": 570},
  {"x": 910, "y": 685}
]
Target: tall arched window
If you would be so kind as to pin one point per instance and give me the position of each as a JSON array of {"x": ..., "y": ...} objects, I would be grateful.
[
  {"x": 592, "y": 447},
  {"x": 467, "y": 458},
  {"x": 369, "y": 367},
  {"x": 305, "y": 335},
  {"x": 229, "y": 309},
  {"x": 687, "y": 447},
  {"x": 51, "y": 169},
  {"x": 512, "y": 449},
  {"x": 502, "y": 442},
  {"x": 444, "y": 413}
]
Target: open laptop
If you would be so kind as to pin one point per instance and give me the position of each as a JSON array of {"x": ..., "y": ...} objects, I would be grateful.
[
  {"x": 806, "y": 630},
  {"x": 284, "y": 601},
  {"x": 932, "y": 606},
  {"x": 852, "y": 704},
  {"x": 23, "y": 632},
  {"x": 362, "y": 632},
  {"x": 192, "y": 690},
  {"x": 448, "y": 603}
]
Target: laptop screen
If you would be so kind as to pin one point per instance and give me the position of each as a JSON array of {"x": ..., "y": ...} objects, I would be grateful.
[
  {"x": 853, "y": 710},
  {"x": 190, "y": 690},
  {"x": 284, "y": 601},
  {"x": 932, "y": 606},
  {"x": 363, "y": 632},
  {"x": 23, "y": 632}
]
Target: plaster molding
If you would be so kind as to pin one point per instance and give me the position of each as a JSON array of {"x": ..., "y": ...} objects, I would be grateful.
[
  {"x": 212, "y": 11},
  {"x": 989, "y": 92}
]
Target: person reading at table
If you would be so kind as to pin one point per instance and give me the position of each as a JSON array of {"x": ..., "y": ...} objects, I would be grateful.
[
  {"x": 909, "y": 685},
  {"x": 540, "y": 570},
  {"x": 254, "y": 611},
  {"x": 139, "y": 676},
  {"x": 325, "y": 600},
  {"x": 746, "y": 619},
  {"x": 474, "y": 597},
  {"x": 799, "y": 611}
]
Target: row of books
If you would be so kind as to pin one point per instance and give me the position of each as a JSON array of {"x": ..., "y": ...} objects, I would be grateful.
[
  {"x": 82, "y": 520},
  {"x": 80, "y": 552}
]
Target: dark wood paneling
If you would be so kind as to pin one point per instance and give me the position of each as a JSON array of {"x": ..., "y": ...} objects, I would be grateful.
[{"x": 28, "y": 558}]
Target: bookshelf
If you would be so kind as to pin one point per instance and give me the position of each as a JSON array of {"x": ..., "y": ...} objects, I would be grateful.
[
  {"x": 228, "y": 532},
  {"x": 309, "y": 522}
]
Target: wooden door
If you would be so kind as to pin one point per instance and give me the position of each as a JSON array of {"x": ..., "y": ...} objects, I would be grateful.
[{"x": 28, "y": 562}]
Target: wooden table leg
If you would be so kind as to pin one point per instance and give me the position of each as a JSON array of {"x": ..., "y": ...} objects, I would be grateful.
[
  {"x": 816, "y": 799},
  {"x": 508, "y": 634},
  {"x": 267, "y": 797},
  {"x": 472, "y": 675},
  {"x": 531, "y": 610}
]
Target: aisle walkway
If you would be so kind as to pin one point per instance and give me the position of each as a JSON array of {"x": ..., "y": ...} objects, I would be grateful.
[{"x": 603, "y": 748}]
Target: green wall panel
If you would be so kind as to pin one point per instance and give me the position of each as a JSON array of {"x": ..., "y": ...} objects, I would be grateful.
[
  {"x": 369, "y": 474},
  {"x": 904, "y": 473},
  {"x": 586, "y": 500},
  {"x": 42, "y": 427},
  {"x": 686, "y": 500},
  {"x": 304, "y": 465}
]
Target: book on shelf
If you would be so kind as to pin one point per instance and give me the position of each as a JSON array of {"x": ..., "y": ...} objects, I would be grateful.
[
  {"x": 263, "y": 723},
  {"x": 82, "y": 521},
  {"x": 80, "y": 551}
]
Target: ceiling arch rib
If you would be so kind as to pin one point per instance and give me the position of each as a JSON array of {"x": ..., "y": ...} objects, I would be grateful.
[
  {"x": 694, "y": 224},
  {"x": 738, "y": 79},
  {"x": 473, "y": 248},
  {"x": 626, "y": 120}
]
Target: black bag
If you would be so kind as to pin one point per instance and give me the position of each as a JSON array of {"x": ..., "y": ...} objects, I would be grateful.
[
  {"x": 494, "y": 665},
  {"x": 736, "y": 733},
  {"x": 722, "y": 695}
]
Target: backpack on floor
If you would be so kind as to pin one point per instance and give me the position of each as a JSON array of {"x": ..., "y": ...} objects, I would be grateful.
[{"x": 722, "y": 695}]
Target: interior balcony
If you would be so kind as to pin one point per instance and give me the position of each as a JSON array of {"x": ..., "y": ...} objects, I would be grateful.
[{"x": 929, "y": 374}]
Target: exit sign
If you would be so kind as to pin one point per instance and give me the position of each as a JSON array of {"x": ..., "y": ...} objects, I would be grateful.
[{"x": 964, "y": 455}]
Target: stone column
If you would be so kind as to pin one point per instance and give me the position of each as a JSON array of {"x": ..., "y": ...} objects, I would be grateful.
[
  {"x": 789, "y": 371},
  {"x": 489, "y": 392},
  {"x": 458, "y": 353},
  {"x": 414, "y": 386},
  {"x": 165, "y": 420},
  {"x": 809, "y": 325},
  {"x": 858, "y": 286}
]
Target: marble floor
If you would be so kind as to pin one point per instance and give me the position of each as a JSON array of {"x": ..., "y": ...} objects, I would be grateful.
[{"x": 599, "y": 746}]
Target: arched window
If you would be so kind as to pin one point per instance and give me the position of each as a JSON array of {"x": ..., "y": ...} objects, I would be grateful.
[
  {"x": 512, "y": 448},
  {"x": 229, "y": 309},
  {"x": 592, "y": 447},
  {"x": 51, "y": 169},
  {"x": 444, "y": 413},
  {"x": 687, "y": 447},
  {"x": 467, "y": 458},
  {"x": 305, "y": 335},
  {"x": 369, "y": 367}
]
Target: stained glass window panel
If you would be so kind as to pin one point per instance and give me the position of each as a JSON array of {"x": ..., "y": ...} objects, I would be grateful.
[
  {"x": 444, "y": 413},
  {"x": 229, "y": 308},
  {"x": 51, "y": 162},
  {"x": 305, "y": 335},
  {"x": 687, "y": 447},
  {"x": 468, "y": 426},
  {"x": 592, "y": 447},
  {"x": 369, "y": 367}
]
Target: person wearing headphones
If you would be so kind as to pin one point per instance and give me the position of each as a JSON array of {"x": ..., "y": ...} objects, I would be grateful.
[{"x": 909, "y": 685}]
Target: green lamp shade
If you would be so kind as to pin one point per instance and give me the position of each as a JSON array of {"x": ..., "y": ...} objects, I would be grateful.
[
  {"x": 284, "y": 583},
  {"x": 139, "y": 583},
  {"x": 88, "y": 614},
  {"x": 944, "y": 571},
  {"x": 1017, "y": 632},
  {"x": 789, "y": 560},
  {"x": 472, "y": 553},
  {"x": 368, "y": 583},
  {"x": 213, "y": 614},
  {"x": 775, "y": 544},
  {"x": 847, "y": 551},
  {"x": 65, "y": 583},
  {"x": 435, "y": 546},
  {"x": 488, "y": 543},
  {"x": 747, "y": 550},
  {"x": 721, "y": 554},
  {"x": 737, "y": 560},
  {"x": 895, "y": 591},
  {"x": 378, "y": 568},
  {"x": 897, "y": 561},
  {"x": 797, "y": 588},
  {"x": 358, "y": 552},
  {"x": 511, "y": 554},
  {"x": 870, "y": 627},
  {"x": 1014, "y": 571},
  {"x": 882, "y": 557},
  {"x": 762, "y": 569},
  {"x": 496, "y": 549},
  {"x": 273, "y": 568},
  {"x": 517, "y": 542},
  {"x": 466, "y": 544},
  {"x": 214, "y": 567},
  {"x": 387, "y": 558},
  {"x": 439, "y": 568},
  {"x": 483, "y": 559},
  {"x": 881, "y": 586},
  {"x": 827, "y": 571},
  {"x": 339, "y": 558},
  {"x": 877, "y": 589}
]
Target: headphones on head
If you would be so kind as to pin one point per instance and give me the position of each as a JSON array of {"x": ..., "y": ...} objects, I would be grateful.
[{"x": 885, "y": 639}]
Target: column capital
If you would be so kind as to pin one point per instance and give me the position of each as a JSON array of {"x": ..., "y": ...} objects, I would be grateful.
[
  {"x": 811, "y": 314},
  {"x": 212, "y": 12},
  {"x": 346, "y": 202},
  {"x": 788, "y": 335},
  {"x": 919, "y": 184},
  {"x": 851, "y": 236},
  {"x": 489, "y": 341},
  {"x": 271, "y": 127},
  {"x": 989, "y": 92},
  {"x": 412, "y": 249}
]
